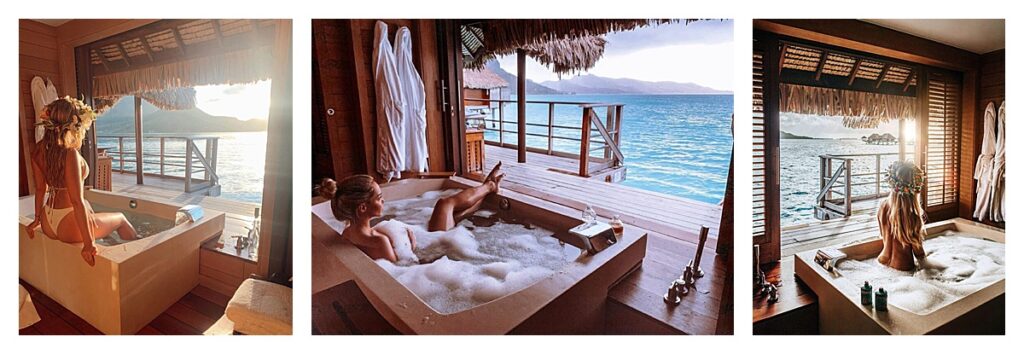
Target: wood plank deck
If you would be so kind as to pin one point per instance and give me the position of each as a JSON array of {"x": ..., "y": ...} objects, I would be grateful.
[
  {"x": 238, "y": 214},
  {"x": 191, "y": 315},
  {"x": 863, "y": 224},
  {"x": 563, "y": 165}
]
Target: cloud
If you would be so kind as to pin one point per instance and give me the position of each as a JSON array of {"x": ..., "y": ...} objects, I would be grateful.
[{"x": 702, "y": 32}]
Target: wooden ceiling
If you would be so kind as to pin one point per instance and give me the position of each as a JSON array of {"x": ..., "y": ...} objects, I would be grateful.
[
  {"x": 814, "y": 66},
  {"x": 175, "y": 40}
]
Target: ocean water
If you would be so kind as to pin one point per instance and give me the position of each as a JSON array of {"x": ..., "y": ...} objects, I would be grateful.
[
  {"x": 799, "y": 163},
  {"x": 240, "y": 161},
  {"x": 674, "y": 144}
]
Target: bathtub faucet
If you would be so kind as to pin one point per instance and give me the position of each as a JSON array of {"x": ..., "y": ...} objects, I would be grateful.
[
  {"x": 828, "y": 257},
  {"x": 190, "y": 213}
]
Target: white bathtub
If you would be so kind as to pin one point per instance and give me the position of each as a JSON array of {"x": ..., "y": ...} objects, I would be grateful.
[
  {"x": 131, "y": 283},
  {"x": 840, "y": 311},
  {"x": 572, "y": 300}
]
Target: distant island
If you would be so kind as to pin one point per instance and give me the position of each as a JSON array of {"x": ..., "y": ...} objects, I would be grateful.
[
  {"x": 120, "y": 119},
  {"x": 785, "y": 135},
  {"x": 593, "y": 84}
]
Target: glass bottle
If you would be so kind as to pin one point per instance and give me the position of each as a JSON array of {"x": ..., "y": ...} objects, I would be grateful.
[
  {"x": 617, "y": 226},
  {"x": 589, "y": 215}
]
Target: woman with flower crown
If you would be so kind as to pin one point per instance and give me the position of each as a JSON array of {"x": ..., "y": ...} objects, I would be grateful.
[
  {"x": 901, "y": 217},
  {"x": 58, "y": 171}
]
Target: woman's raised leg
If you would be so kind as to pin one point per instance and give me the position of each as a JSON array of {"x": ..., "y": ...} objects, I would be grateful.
[
  {"x": 450, "y": 210},
  {"x": 106, "y": 223}
]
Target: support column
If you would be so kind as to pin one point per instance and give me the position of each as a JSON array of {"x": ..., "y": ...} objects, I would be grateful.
[
  {"x": 138, "y": 140},
  {"x": 521, "y": 103}
]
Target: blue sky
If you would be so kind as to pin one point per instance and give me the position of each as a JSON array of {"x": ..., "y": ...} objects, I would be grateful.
[{"x": 701, "y": 53}]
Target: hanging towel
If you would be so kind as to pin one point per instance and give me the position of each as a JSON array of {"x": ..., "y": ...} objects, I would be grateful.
[
  {"x": 983, "y": 167},
  {"x": 390, "y": 127},
  {"x": 998, "y": 179},
  {"x": 415, "y": 114},
  {"x": 43, "y": 92}
]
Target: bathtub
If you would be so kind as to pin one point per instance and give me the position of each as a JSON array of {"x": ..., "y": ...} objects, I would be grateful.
[
  {"x": 840, "y": 311},
  {"x": 571, "y": 300},
  {"x": 131, "y": 283}
]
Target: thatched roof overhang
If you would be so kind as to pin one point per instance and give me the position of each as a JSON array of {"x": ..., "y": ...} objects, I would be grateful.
[{"x": 482, "y": 78}]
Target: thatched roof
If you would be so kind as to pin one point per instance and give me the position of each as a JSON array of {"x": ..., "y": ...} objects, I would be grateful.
[
  {"x": 482, "y": 78},
  {"x": 565, "y": 45},
  {"x": 157, "y": 60},
  {"x": 859, "y": 109},
  {"x": 822, "y": 62}
]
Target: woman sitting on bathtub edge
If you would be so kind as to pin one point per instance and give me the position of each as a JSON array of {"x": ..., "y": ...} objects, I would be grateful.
[
  {"x": 58, "y": 171},
  {"x": 357, "y": 200}
]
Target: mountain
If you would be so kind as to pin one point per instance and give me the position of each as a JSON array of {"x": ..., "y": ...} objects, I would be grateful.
[
  {"x": 592, "y": 84},
  {"x": 120, "y": 119},
  {"x": 532, "y": 88},
  {"x": 785, "y": 135}
]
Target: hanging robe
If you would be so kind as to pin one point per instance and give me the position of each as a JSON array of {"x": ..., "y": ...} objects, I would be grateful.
[
  {"x": 983, "y": 167},
  {"x": 998, "y": 179},
  {"x": 415, "y": 113},
  {"x": 43, "y": 93},
  {"x": 390, "y": 127}
]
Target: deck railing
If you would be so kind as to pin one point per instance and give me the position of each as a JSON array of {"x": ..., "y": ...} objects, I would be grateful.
[
  {"x": 841, "y": 182},
  {"x": 176, "y": 156},
  {"x": 593, "y": 133}
]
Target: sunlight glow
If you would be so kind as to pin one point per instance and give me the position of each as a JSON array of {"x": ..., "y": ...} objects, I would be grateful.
[{"x": 245, "y": 102}]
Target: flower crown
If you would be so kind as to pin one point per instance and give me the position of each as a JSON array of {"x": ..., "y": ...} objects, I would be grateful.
[
  {"x": 911, "y": 187},
  {"x": 82, "y": 110}
]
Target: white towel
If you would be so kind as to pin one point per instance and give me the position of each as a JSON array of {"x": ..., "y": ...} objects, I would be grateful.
[
  {"x": 390, "y": 127},
  {"x": 983, "y": 167}
]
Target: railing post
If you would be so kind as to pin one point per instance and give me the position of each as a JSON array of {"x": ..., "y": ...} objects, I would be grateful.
[
  {"x": 213, "y": 160},
  {"x": 188, "y": 165},
  {"x": 618, "y": 129},
  {"x": 206, "y": 172},
  {"x": 501, "y": 125},
  {"x": 120, "y": 154},
  {"x": 878, "y": 174},
  {"x": 161, "y": 156},
  {"x": 828, "y": 169},
  {"x": 849, "y": 186},
  {"x": 551, "y": 123},
  {"x": 585, "y": 143},
  {"x": 821, "y": 178},
  {"x": 608, "y": 124}
]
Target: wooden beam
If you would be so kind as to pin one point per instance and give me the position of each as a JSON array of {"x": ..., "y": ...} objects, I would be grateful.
[
  {"x": 853, "y": 74},
  {"x": 881, "y": 75},
  {"x": 821, "y": 65},
  {"x": 910, "y": 77},
  {"x": 103, "y": 59},
  {"x": 146, "y": 48},
  {"x": 782, "y": 57},
  {"x": 124, "y": 54},
  {"x": 197, "y": 50},
  {"x": 217, "y": 30},
  {"x": 870, "y": 38},
  {"x": 177, "y": 39},
  {"x": 521, "y": 103}
]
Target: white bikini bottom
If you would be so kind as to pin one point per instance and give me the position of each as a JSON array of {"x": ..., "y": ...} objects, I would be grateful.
[{"x": 55, "y": 216}]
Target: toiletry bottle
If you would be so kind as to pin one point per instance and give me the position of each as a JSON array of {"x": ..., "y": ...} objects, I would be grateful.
[
  {"x": 865, "y": 294},
  {"x": 881, "y": 300},
  {"x": 617, "y": 226},
  {"x": 589, "y": 215}
]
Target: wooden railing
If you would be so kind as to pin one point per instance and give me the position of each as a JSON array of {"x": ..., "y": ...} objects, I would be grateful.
[
  {"x": 593, "y": 133},
  {"x": 838, "y": 176},
  {"x": 177, "y": 157}
]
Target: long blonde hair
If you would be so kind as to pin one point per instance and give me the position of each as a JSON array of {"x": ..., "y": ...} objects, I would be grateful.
[
  {"x": 66, "y": 121},
  {"x": 905, "y": 214}
]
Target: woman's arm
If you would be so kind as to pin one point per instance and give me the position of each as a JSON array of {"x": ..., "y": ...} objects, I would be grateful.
[
  {"x": 374, "y": 244},
  {"x": 73, "y": 181},
  {"x": 40, "y": 195}
]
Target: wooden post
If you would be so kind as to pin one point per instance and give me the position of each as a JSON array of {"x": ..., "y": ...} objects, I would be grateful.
[
  {"x": 608, "y": 125},
  {"x": 821, "y": 178},
  {"x": 209, "y": 151},
  {"x": 618, "y": 131},
  {"x": 849, "y": 187},
  {"x": 903, "y": 142},
  {"x": 521, "y": 103},
  {"x": 501, "y": 124},
  {"x": 188, "y": 165},
  {"x": 878, "y": 173},
  {"x": 585, "y": 143},
  {"x": 120, "y": 154},
  {"x": 138, "y": 140},
  {"x": 551, "y": 123},
  {"x": 161, "y": 156}
]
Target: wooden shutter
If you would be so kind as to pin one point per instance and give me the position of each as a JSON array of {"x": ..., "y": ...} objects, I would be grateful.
[
  {"x": 941, "y": 152},
  {"x": 760, "y": 214}
]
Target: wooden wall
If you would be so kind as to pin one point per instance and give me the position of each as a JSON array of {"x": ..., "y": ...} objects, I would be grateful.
[
  {"x": 344, "y": 62},
  {"x": 37, "y": 56},
  {"x": 989, "y": 81}
]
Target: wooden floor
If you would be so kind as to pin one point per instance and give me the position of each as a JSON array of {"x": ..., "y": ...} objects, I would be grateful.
[
  {"x": 668, "y": 215},
  {"x": 238, "y": 214},
  {"x": 863, "y": 224},
  {"x": 191, "y": 315},
  {"x": 563, "y": 165}
]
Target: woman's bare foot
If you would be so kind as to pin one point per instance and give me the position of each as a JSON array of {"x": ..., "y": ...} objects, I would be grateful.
[{"x": 494, "y": 172}]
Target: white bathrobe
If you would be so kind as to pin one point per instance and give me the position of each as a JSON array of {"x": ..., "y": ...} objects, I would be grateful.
[
  {"x": 415, "y": 114},
  {"x": 983, "y": 167},
  {"x": 390, "y": 127},
  {"x": 998, "y": 180}
]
